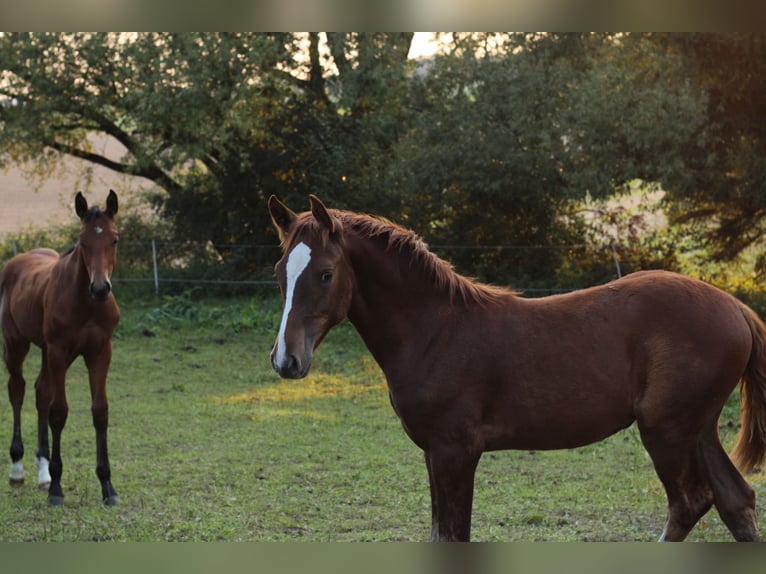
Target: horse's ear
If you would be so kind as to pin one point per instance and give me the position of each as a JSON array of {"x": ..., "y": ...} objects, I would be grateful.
[
  {"x": 80, "y": 205},
  {"x": 320, "y": 213},
  {"x": 282, "y": 216},
  {"x": 111, "y": 203}
]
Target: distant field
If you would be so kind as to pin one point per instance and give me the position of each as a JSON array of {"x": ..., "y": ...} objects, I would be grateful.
[{"x": 26, "y": 201}]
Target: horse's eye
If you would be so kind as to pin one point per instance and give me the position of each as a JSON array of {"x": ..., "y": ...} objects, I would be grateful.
[
  {"x": 116, "y": 241},
  {"x": 326, "y": 276}
]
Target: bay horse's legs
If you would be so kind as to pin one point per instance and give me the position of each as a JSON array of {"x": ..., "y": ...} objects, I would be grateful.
[
  {"x": 681, "y": 470},
  {"x": 42, "y": 456},
  {"x": 55, "y": 409},
  {"x": 451, "y": 472},
  {"x": 734, "y": 498},
  {"x": 15, "y": 352},
  {"x": 432, "y": 489},
  {"x": 98, "y": 367}
]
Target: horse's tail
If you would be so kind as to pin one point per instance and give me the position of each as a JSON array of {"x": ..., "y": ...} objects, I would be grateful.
[{"x": 750, "y": 450}]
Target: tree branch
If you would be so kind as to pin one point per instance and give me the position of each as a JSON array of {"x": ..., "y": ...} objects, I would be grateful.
[
  {"x": 152, "y": 172},
  {"x": 316, "y": 73},
  {"x": 336, "y": 41}
]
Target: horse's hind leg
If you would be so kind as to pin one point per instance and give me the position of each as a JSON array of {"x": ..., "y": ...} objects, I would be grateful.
[
  {"x": 680, "y": 468},
  {"x": 15, "y": 353},
  {"x": 733, "y": 496}
]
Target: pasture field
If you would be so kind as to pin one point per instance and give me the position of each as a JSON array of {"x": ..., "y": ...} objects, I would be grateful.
[{"x": 208, "y": 444}]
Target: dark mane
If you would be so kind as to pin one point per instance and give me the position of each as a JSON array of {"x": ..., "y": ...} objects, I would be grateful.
[{"x": 407, "y": 241}]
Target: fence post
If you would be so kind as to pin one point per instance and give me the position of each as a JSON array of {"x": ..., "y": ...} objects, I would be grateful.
[
  {"x": 156, "y": 272},
  {"x": 15, "y": 248},
  {"x": 616, "y": 262}
]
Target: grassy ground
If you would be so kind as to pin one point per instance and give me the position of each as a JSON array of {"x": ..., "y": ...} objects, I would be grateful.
[{"x": 207, "y": 444}]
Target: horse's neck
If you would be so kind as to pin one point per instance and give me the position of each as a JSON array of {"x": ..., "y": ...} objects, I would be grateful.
[
  {"x": 72, "y": 272},
  {"x": 394, "y": 305}
]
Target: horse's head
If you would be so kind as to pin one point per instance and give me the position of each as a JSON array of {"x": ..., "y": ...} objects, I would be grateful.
[
  {"x": 316, "y": 281},
  {"x": 98, "y": 243}
]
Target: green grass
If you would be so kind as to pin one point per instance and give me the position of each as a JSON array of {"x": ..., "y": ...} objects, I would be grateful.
[{"x": 208, "y": 444}]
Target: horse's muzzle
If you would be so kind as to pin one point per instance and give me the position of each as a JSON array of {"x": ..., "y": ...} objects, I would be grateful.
[
  {"x": 100, "y": 291},
  {"x": 291, "y": 367}
]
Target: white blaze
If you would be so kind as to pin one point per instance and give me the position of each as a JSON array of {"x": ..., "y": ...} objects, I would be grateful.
[{"x": 297, "y": 261}]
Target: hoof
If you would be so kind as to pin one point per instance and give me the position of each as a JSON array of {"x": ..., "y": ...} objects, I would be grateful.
[
  {"x": 111, "y": 500},
  {"x": 16, "y": 482},
  {"x": 44, "y": 486},
  {"x": 56, "y": 500}
]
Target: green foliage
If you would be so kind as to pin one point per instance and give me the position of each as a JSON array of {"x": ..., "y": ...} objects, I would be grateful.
[
  {"x": 495, "y": 141},
  {"x": 192, "y": 110},
  {"x": 626, "y": 231},
  {"x": 631, "y": 114},
  {"x": 217, "y": 120},
  {"x": 482, "y": 163},
  {"x": 59, "y": 238},
  {"x": 723, "y": 181},
  {"x": 188, "y": 308}
]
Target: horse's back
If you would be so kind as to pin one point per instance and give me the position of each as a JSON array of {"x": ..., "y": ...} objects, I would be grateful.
[
  {"x": 23, "y": 281},
  {"x": 660, "y": 301},
  {"x": 578, "y": 367},
  {"x": 676, "y": 323}
]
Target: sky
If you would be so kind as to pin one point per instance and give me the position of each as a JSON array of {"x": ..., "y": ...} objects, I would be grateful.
[{"x": 423, "y": 44}]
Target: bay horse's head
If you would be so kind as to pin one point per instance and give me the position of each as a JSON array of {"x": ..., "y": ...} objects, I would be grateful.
[
  {"x": 316, "y": 281},
  {"x": 98, "y": 243}
]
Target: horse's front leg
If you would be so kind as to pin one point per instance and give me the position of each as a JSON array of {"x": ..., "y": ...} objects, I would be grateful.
[
  {"x": 43, "y": 398},
  {"x": 54, "y": 396},
  {"x": 451, "y": 472},
  {"x": 98, "y": 367}
]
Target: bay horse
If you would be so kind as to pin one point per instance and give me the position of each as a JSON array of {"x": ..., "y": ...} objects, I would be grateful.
[
  {"x": 473, "y": 368},
  {"x": 65, "y": 306}
]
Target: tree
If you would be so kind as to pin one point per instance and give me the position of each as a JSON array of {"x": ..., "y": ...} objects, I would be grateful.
[
  {"x": 217, "y": 120},
  {"x": 481, "y": 165},
  {"x": 723, "y": 185},
  {"x": 632, "y": 114},
  {"x": 496, "y": 141},
  {"x": 516, "y": 130},
  {"x": 181, "y": 105}
]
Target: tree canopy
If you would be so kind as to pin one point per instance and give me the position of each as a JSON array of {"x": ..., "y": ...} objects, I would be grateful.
[{"x": 496, "y": 140}]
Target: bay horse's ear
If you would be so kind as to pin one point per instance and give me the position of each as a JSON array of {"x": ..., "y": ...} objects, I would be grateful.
[
  {"x": 111, "y": 204},
  {"x": 320, "y": 213},
  {"x": 80, "y": 205},
  {"x": 282, "y": 216}
]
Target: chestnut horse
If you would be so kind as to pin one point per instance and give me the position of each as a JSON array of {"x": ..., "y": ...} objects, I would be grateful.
[
  {"x": 64, "y": 305},
  {"x": 472, "y": 368}
]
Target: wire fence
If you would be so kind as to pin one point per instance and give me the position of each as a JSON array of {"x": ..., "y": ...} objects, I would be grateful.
[{"x": 158, "y": 266}]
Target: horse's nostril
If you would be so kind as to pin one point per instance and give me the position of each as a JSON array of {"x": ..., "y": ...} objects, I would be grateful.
[
  {"x": 292, "y": 365},
  {"x": 290, "y": 368},
  {"x": 100, "y": 292}
]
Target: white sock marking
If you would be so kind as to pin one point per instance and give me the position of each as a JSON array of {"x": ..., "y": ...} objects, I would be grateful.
[
  {"x": 297, "y": 262},
  {"x": 17, "y": 471},
  {"x": 43, "y": 475}
]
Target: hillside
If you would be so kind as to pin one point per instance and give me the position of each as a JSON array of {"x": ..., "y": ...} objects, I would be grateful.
[{"x": 27, "y": 201}]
